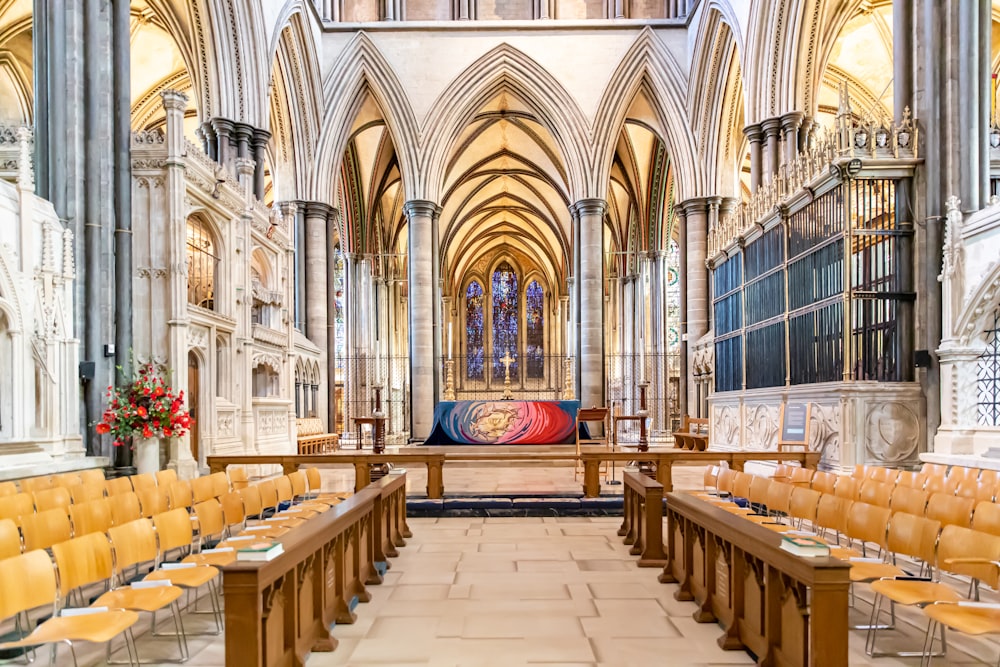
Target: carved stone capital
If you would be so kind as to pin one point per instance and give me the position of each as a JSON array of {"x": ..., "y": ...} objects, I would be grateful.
[
  {"x": 590, "y": 206},
  {"x": 416, "y": 208},
  {"x": 174, "y": 100}
]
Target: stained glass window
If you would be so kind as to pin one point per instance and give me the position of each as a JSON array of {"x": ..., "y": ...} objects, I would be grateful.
[
  {"x": 474, "y": 331},
  {"x": 535, "y": 330},
  {"x": 504, "y": 319},
  {"x": 673, "y": 298},
  {"x": 340, "y": 342}
]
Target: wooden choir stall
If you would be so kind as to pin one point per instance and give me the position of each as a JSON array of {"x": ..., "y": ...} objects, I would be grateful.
[{"x": 278, "y": 612}]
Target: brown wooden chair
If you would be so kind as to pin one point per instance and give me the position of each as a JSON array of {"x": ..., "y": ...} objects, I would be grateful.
[
  {"x": 909, "y": 478},
  {"x": 238, "y": 478},
  {"x": 876, "y": 493},
  {"x": 93, "y": 476},
  {"x": 91, "y": 517},
  {"x": 16, "y": 506},
  {"x": 935, "y": 484},
  {"x": 202, "y": 489},
  {"x": 179, "y": 494},
  {"x": 166, "y": 477},
  {"x": 220, "y": 484},
  {"x": 847, "y": 487},
  {"x": 143, "y": 481},
  {"x": 973, "y": 488},
  {"x": 55, "y": 498},
  {"x": 233, "y": 513},
  {"x": 802, "y": 476},
  {"x": 67, "y": 479},
  {"x": 966, "y": 619},
  {"x": 950, "y": 510},
  {"x": 960, "y": 551},
  {"x": 35, "y": 484},
  {"x": 779, "y": 499},
  {"x": 908, "y": 499},
  {"x": 173, "y": 530},
  {"x": 118, "y": 485},
  {"x": 43, "y": 529},
  {"x": 134, "y": 548},
  {"x": 153, "y": 500},
  {"x": 758, "y": 492},
  {"x": 986, "y": 518},
  {"x": 125, "y": 508},
  {"x": 36, "y": 567},
  {"x": 10, "y": 539},
  {"x": 316, "y": 484},
  {"x": 831, "y": 514},
  {"x": 803, "y": 505},
  {"x": 824, "y": 482},
  {"x": 8, "y": 489},
  {"x": 860, "y": 472},
  {"x": 84, "y": 493},
  {"x": 883, "y": 474}
]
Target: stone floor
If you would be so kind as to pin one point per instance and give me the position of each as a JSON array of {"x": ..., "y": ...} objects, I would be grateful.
[{"x": 526, "y": 591}]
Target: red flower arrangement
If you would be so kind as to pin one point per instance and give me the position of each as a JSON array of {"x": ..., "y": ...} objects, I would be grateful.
[{"x": 146, "y": 407}]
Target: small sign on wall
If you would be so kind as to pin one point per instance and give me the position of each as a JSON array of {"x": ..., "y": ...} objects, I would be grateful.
[{"x": 794, "y": 425}]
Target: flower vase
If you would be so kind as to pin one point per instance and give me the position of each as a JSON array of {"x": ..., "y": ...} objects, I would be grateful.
[{"x": 146, "y": 456}]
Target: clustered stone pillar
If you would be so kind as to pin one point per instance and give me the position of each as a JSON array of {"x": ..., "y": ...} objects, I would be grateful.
[
  {"x": 754, "y": 136},
  {"x": 696, "y": 231},
  {"x": 591, "y": 343},
  {"x": 790, "y": 124},
  {"x": 226, "y": 140},
  {"x": 317, "y": 217},
  {"x": 420, "y": 215},
  {"x": 771, "y": 128}
]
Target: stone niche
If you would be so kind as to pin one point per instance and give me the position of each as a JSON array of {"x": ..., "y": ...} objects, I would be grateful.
[{"x": 850, "y": 423}]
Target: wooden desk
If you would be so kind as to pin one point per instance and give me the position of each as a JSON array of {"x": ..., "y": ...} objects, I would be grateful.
[
  {"x": 280, "y": 611},
  {"x": 785, "y": 609},
  {"x": 642, "y": 523},
  {"x": 378, "y": 431}
]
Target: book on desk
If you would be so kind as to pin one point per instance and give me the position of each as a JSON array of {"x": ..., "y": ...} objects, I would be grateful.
[
  {"x": 262, "y": 551},
  {"x": 802, "y": 545}
]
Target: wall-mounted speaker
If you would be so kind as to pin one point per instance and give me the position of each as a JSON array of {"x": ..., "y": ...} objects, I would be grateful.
[
  {"x": 922, "y": 359},
  {"x": 87, "y": 370}
]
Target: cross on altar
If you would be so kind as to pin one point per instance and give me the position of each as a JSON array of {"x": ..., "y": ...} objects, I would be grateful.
[{"x": 506, "y": 360}]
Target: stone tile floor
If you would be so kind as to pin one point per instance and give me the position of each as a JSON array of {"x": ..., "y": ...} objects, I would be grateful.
[{"x": 531, "y": 591}]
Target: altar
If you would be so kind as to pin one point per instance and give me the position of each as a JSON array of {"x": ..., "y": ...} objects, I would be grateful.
[{"x": 504, "y": 422}]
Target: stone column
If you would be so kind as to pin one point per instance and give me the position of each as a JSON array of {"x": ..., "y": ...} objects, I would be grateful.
[
  {"x": 436, "y": 322},
  {"x": 260, "y": 138},
  {"x": 771, "y": 127},
  {"x": 317, "y": 216},
  {"x": 790, "y": 124},
  {"x": 223, "y": 128},
  {"x": 696, "y": 289},
  {"x": 659, "y": 337},
  {"x": 685, "y": 381},
  {"x": 420, "y": 215},
  {"x": 121, "y": 59},
  {"x": 805, "y": 131},
  {"x": 754, "y": 136},
  {"x": 244, "y": 133},
  {"x": 591, "y": 344}
]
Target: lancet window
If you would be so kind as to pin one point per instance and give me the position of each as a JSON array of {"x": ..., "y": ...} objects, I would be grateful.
[
  {"x": 505, "y": 311},
  {"x": 202, "y": 262},
  {"x": 988, "y": 376},
  {"x": 474, "y": 331},
  {"x": 534, "y": 325}
]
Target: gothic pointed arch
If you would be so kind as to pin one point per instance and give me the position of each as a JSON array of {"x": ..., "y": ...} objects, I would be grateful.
[
  {"x": 648, "y": 68},
  {"x": 504, "y": 69},
  {"x": 361, "y": 75}
]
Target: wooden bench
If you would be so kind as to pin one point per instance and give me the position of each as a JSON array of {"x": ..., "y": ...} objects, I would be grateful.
[
  {"x": 692, "y": 435},
  {"x": 642, "y": 524},
  {"x": 785, "y": 609},
  {"x": 280, "y": 611},
  {"x": 311, "y": 437}
]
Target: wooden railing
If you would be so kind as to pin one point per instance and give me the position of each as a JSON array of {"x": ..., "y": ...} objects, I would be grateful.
[
  {"x": 434, "y": 461},
  {"x": 280, "y": 611},
  {"x": 642, "y": 525},
  {"x": 318, "y": 444},
  {"x": 785, "y": 609}
]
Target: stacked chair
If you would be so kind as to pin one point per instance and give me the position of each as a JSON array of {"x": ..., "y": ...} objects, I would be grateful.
[
  {"x": 910, "y": 536},
  {"x": 99, "y": 553}
]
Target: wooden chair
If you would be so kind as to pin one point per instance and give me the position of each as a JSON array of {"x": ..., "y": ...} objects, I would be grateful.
[
  {"x": 143, "y": 481},
  {"x": 36, "y": 567},
  {"x": 238, "y": 478},
  {"x": 252, "y": 504},
  {"x": 153, "y": 500},
  {"x": 134, "y": 546},
  {"x": 10, "y": 539},
  {"x": 220, "y": 484},
  {"x": 860, "y": 472},
  {"x": 779, "y": 499},
  {"x": 254, "y": 508},
  {"x": 84, "y": 493},
  {"x": 868, "y": 524},
  {"x": 233, "y": 513},
  {"x": 125, "y": 508},
  {"x": 725, "y": 481},
  {"x": 876, "y": 493},
  {"x": 117, "y": 486},
  {"x": 173, "y": 530},
  {"x": 35, "y": 484},
  {"x": 960, "y": 551},
  {"x": 973, "y": 488},
  {"x": 93, "y": 476},
  {"x": 268, "y": 497},
  {"x": 316, "y": 483},
  {"x": 592, "y": 415},
  {"x": 67, "y": 479},
  {"x": 710, "y": 480},
  {"x": 802, "y": 476},
  {"x": 909, "y": 500},
  {"x": 758, "y": 493},
  {"x": 56, "y": 497},
  {"x": 741, "y": 484},
  {"x": 16, "y": 506},
  {"x": 179, "y": 495},
  {"x": 166, "y": 477},
  {"x": 931, "y": 470},
  {"x": 986, "y": 518},
  {"x": 883, "y": 474},
  {"x": 936, "y": 484},
  {"x": 909, "y": 478},
  {"x": 43, "y": 529},
  {"x": 968, "y": 620},
  {"x": 803, "y": 505},
  {"x": 91, "y": 517},
  {"x": 8, "y": 489},
  {"x": 831, "y": 514},
  {"x": 950, "y": 510},
  {"x": 847, "y": 487},
  {"x": 957, "y": 475},
  {"x": 824, "y": 482},
  {"x": 212, "y": 529},
  {"x": 202, "y": 489}
]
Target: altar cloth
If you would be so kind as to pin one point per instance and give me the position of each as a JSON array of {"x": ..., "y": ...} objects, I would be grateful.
[{"x": 504, "y": 423}]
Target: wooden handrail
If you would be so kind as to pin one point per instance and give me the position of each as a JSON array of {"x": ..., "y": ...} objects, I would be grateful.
[{"x": 591, "y": 458}]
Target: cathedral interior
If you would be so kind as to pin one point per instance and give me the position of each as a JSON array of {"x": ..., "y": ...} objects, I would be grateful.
[{"x": 314, "y": 216}]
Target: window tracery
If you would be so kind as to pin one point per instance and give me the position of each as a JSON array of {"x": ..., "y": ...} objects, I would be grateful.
[
  {"x": 988, "y": 376},
  {"x": 505, "y": 324},
  {"x": 202, "y": 262},
  {"x": 534, "y": 325},
  {"x": 474, "y": 331}
]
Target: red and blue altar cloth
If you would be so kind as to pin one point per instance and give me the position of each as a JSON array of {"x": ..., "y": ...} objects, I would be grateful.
[{"x": 504, "y": 423}]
